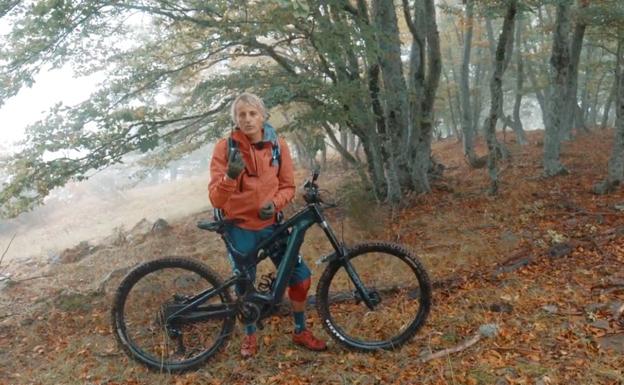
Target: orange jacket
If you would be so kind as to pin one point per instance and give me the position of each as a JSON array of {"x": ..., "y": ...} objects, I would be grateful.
[{"x": 259, "y": 183}]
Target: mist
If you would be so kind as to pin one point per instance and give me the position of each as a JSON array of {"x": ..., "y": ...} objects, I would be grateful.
[{"x": 111, "y": 199}]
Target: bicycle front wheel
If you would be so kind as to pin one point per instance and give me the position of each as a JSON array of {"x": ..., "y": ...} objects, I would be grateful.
[
  {"x": 399, "y": 293},
  {"x": 144, "y": 302}
]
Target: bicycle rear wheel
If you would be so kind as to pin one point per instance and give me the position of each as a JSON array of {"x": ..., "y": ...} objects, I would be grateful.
[
  {"x": 139, "y": 310},
  {"x": 398, "y": 286}
]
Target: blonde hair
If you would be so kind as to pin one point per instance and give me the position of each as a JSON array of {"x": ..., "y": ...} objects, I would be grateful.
[{"x": 251, "y": 99}]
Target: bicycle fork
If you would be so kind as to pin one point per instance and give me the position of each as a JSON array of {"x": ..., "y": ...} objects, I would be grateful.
[{"x": 370, "y": 297}]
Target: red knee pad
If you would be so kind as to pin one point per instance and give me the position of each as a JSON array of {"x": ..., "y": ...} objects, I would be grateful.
[{"x": 299, "y": 291}]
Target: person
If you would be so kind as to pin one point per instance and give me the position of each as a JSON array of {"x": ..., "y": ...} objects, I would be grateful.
[{"x": 250, "y": 184}]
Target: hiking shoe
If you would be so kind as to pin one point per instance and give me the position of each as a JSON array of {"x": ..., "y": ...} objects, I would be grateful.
[
  {"x": 308, "y": 341},
  {"x": 249, "y": 347}
]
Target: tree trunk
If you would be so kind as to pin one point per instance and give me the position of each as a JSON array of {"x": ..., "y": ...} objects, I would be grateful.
[
  {"x": 539, "y": 94},
  {"x": 616, "y": 162},
  {"x": 372, "y": 150},
  {"x": 424, "y": 75},
  {"x": 395, "y": 96},
  {"x": 424, "y": 162},
  {"x": 569, "y": 113},
  {"x": 579, "y": 119},
  {"x": 593, "y": 117},
  {"x": 464, "y": 87},
  {"x": 344, "y": 142},
  {"x": 453, "y": 121},
  {"x": 615, "y": 174},
  {"x": 479, "y": 87},
  {"x": 460, "y": 136},
  {"x": 503, "y": 52},
  {"x": 560, "y": 63},
  {"x": 517, "y": 127},
  {"x": 607, "y": 107},
  {"x": 585, "y": 95}
]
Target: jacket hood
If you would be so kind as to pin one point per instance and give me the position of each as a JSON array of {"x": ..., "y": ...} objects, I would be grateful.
[{"x": 269, "y": 134}]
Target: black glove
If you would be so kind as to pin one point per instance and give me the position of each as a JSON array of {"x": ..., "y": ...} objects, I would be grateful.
[
  {"x": 236, "y": 165},
  {"x": 267, "y": 211}
]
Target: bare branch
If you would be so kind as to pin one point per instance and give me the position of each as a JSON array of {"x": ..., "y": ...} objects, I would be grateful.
[
  {"x": 445, "y": 352},
  {"x": 7, "y": 248}
]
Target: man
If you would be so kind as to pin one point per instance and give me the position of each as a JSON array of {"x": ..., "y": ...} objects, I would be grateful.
[{"x": 251, "y": 182}]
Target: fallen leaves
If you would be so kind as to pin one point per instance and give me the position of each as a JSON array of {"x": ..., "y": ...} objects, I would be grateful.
[{"x": 549, "y": 336}]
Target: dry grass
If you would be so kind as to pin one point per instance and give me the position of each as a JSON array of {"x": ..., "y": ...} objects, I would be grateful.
[{"x": 90, "y": 216}]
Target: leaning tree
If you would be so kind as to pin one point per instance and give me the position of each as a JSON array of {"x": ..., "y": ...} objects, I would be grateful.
[{"x": 173, "y": 67}]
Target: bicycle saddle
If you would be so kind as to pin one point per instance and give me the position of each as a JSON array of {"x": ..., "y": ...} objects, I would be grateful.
[{"x": 217, "y": 226}]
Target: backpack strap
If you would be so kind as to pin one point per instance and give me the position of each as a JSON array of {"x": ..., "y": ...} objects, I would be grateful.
[
  {"x": 276, "y": 156},
  {"x": 232, "y": 145}
]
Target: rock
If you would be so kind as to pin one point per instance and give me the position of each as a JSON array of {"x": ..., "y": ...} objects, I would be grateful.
[
  {"x": 612, "y": 341},
  {"x": 600, "y": 324},
  {"x": 619, "y": 206},
  {"x": 552, "y": 309},
  {"x": 559, "y": 250},
  {"x": 594, "y": 307},
  {"x": 616, "y": 308},
  {"x": 501, "y": 381},
  {"x": 508, "y": 372},
  {"x": 160, "y": 226},
  {"x": 117, "y": 238},
  {"x": 138, "y": 233},
  {"x": 543, "y": 381},
  {"x": 513, "y": 265},
  {"x": 76, "y": 253},
  {"x": 489, "y": 330},
  {"x": 510, "y": 239},
  {"x": 5, "y": 280},
  {"x": 502, "y": 307},
  {"x": 27, "y": 321}
]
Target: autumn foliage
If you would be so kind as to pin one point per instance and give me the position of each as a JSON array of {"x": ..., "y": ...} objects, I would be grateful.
[{"x": 543, "y": 261}]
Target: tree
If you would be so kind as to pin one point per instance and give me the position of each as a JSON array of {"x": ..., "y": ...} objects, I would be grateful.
[
  {"x": 613, "y": 23},
  {"x": 557, "y": 103},
  {"x": 170, "y": 84},
  {"x": 517, "y": 126},
  {"x": 504, "y": 50},
  {"x": 464, "y": 88}
]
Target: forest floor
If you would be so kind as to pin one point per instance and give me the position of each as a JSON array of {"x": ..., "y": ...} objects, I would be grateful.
[{"x": 543, "y": 260}]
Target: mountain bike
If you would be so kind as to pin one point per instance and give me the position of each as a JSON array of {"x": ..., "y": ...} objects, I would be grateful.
[{"x": 173, "y": 314}]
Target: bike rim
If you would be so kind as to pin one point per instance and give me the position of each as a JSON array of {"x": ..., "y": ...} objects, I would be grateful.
[
  {"x": 394, "y": 285},
  {"x": 157, "y": 343}
]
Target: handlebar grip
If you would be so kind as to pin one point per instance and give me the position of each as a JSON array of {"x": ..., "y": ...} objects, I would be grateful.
[{"x": 315, "y": 174}]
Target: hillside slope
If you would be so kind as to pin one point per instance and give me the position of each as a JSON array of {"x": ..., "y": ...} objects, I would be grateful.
[{"x": 543, "y": 261}]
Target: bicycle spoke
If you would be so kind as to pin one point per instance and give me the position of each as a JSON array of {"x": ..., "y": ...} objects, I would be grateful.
[
  {"x": 391, "y": 282},
  {"x": 152, "y": 320}
]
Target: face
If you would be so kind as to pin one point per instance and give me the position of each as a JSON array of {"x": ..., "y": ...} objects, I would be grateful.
[{"x": 250, "y": 121}]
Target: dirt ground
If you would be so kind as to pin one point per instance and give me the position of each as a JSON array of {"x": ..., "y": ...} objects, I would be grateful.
[{"x": 493, "y": 260}]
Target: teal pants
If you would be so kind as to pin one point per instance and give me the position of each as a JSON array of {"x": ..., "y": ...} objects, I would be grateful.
[{"x": 244, "y": 241}]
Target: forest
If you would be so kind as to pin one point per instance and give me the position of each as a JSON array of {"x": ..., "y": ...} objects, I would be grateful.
[
  {"x": 485, "y": 135},
  {"x": 390, "y": 77}
]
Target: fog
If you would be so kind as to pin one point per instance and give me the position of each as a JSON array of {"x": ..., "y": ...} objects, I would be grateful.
[{"x": 116, "y": 197}]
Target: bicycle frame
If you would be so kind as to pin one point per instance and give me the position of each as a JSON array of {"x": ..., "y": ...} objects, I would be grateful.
[{"x": 299, "y": 224}]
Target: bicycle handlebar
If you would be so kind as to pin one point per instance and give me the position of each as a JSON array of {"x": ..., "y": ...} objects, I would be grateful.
[{"x": 311, "y": 194}]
